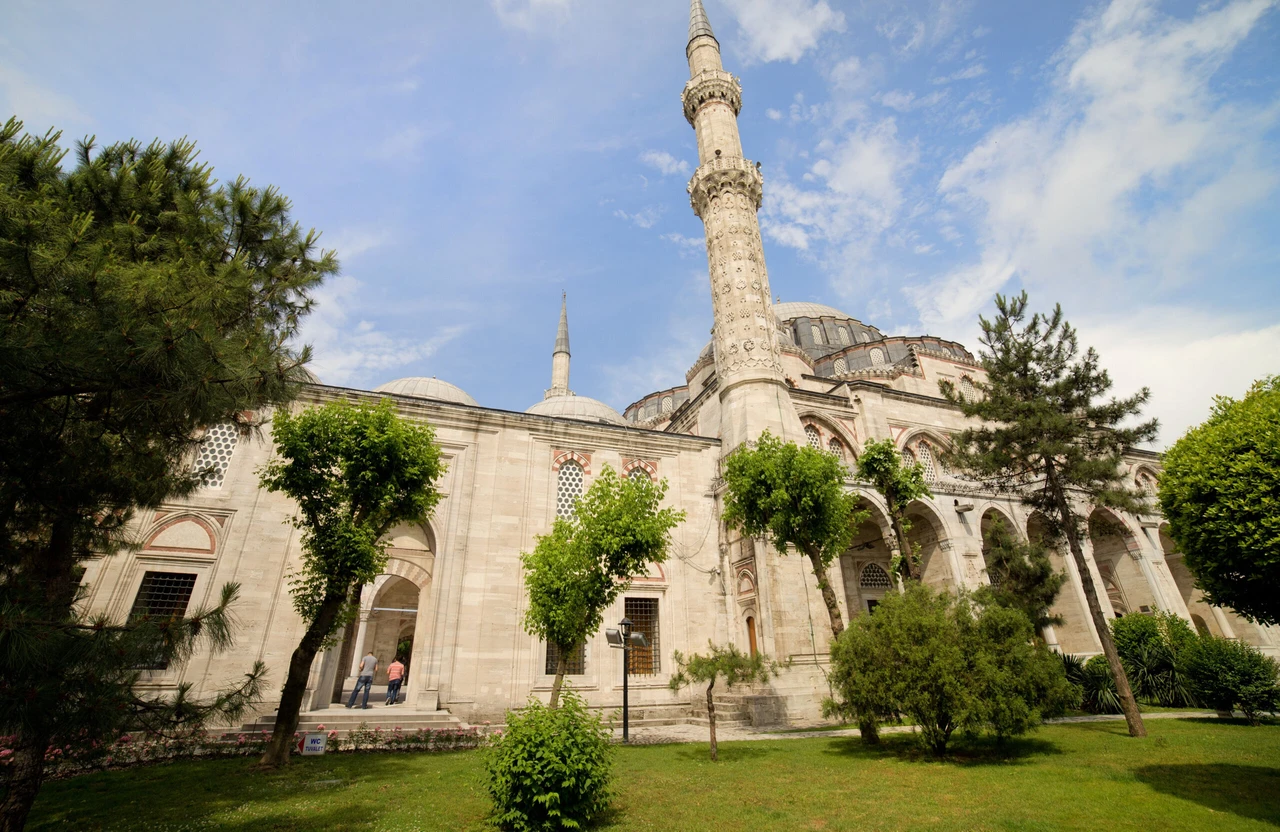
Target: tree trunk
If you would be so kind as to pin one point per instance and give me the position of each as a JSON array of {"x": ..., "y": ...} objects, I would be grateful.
[
  {"x": 295, "y": 685},
  {"x": 870, "y": 733},
  {"x": 828, "y": 594},
  {"x": 22, "y": 782},
  {"x": 904, "y": 545},
  {"x": 711, "y": 719},
  {"x": 1127, "y": 703},
  {"x": 562, "y": 667}
]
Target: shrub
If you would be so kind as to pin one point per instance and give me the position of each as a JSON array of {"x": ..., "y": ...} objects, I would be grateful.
[
  {"x": 934, "y": 658},
  {"x": 551, "y": 768},
  {"x": 1227, "y": 675},
  {"x": 1150, "y": 645}
]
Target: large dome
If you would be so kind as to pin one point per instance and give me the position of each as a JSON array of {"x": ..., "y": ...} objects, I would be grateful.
[
  {"x": 578, "y": 407},
  {"x": 801, "y": 309},
  {"x": 426, "y": 388}
]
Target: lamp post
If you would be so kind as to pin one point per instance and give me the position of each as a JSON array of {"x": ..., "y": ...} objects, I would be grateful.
[{"x": 625, "y": 640}]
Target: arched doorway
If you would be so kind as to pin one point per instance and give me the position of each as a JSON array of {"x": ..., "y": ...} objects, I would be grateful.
[
  {"x": 864, "y": 588},
  {"x": 927, "y": 534},
  {"x": 1114, "y": 551}
]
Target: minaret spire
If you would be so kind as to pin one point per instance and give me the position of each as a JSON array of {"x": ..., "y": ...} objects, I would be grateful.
[
  {"x": 560, "y": 355},
  {"x": 726, "y": 192}
]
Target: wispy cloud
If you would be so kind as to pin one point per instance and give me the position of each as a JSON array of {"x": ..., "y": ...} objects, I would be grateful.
[
  {"x": 665, "y": 163},
  {"x": 646, "y": 217},
  {"x": 905, "y": 102},
  {"x": 350, "y": 243},
  {"x": 783, "y": 30},
  {"x": 969, "y": 72}
]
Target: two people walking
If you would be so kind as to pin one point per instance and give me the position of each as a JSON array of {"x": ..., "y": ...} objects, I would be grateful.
[{"x": 368, "y": 667}]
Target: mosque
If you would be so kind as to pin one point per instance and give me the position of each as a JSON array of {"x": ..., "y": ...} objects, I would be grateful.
[{"x": 452, "y": 598}]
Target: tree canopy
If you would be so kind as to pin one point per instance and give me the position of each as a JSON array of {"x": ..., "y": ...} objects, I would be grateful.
[
  {"x": 881, "y": 465},
  {"x": 355, "y": 471},
  {"x": 1049, "y": 434},
  {"x": 1022, "y": 576},
  {"x": 574, "y": 573},
  {"x": 1220, "y": 490},
  {"x": 795, "y": 495}
]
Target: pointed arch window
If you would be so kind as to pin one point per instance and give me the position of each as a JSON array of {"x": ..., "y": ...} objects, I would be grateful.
[
  {"x": 814, "y": 438},
  {"x": 908, "y": 458},
  {"x": 925, "y": 454},
  {"x": 874, "y": 576},
  {"x": 877, "y": 357},
  {"x": 569, "y": 487},
  {"x": 639, "y": 473},
  {"x": 837, "y": 447},
  {"x": 967, "y": 391}
]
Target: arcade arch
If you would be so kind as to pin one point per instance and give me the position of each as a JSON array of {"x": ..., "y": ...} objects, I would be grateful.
[
  {"x": 990, "y": 518},
  {"x": 929, "y": 534},
  {"x": 1115, "y": 551},
  {"x": 863, "y": 589}
]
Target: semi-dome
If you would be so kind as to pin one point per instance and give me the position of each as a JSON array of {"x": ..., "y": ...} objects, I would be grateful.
[
  {"x": 426, "y": 388},
  {"x": 578, "y": 407},
  {"x": 802, "y": 309}
]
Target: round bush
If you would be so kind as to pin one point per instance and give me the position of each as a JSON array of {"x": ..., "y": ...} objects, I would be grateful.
[
  {"x": 550, "y": 769},
  {"x": 1229, "y": 675}
]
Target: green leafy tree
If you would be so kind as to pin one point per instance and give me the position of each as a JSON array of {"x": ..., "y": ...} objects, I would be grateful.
[
  {"x": 142, "y": 301},
  {"x": 1048, "y": 435},
  {"x": 576, "y": 572},
  {"x": 1022, "y": 577},
  {"x": 881, "y": 465},
  {"x": 1152, "y": 647},
  {"x": 1220, "y": 490},
  {"x": 933, "y": 657},
  {"x": 355, "y": 471},
  {"x": 552, "y": 768},
  {"x": 735, "y": 666},
  {"x": 795, "y": 494},
  {"x": 1226, "y": 675}
]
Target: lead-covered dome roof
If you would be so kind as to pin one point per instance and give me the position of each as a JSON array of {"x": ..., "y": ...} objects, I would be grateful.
[
  {"x": 802, "y": 309},
  {"x": 427, "y": 388},
  {"x": 578, "y": 407}
]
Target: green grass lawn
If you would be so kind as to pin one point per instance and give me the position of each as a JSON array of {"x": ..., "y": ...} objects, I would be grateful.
[{"x": 1188, "y": 775}]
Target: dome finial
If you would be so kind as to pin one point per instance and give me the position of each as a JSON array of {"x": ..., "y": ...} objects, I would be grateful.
[{"x": 699, "y": 23}]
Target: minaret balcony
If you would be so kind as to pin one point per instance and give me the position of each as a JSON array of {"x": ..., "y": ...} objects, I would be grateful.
[
  {"x": 711, "y": 85},
  {"x": 726, "y": 174}
]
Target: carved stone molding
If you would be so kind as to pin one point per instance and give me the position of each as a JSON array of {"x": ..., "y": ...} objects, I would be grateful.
[
  {"x": 732, "y": 175},
  {"x": 711, "y": 85}
]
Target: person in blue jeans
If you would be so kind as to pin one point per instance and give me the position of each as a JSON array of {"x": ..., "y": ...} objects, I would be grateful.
[{"x": 368, "y": 666}]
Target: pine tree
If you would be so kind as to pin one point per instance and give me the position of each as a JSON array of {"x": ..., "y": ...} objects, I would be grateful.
[
  {"x": 141, "y": 303},
  {"x": 1048, "y": 435},
  {"x": 1022, "y": 577}
]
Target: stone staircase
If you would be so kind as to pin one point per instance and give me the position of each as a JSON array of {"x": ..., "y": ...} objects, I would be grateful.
[{"x": 748, "y": 710}]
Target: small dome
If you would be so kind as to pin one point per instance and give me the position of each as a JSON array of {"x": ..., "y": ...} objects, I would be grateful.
[
  {"x": 800, "y": 309},
  {"x": 426, "y": 388},
  {"x": 577, "y": 407}
]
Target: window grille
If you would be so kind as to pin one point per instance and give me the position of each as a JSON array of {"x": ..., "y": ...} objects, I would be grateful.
[
  {"x": 163, "y": 596},
  {"x": 908, "y": 458},
  {"x": 643, "y": 612},
  {"x": 639, "y": 473},
  {"x": 842, "y": 366},
  {"x": 874, "y": 577},
  {"x": 844, "y": 336},
  {"x": 836, "y": 447},
  {"x": 577, "y": 665},
  {"x": 668, "y": 404},
  {"x": 864, "y": 338},
  {"x": 569, "y": 489},
  {"x": 967, "y": 391},
  {"x": 925, "y": 453},
  {"x": 214, "y": 456},
  {"x": 877, "y": 357},
  {"x": 817, "y": 333},
  {"x": 815, "y": 438}
]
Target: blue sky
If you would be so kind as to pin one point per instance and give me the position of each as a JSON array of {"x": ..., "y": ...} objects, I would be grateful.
[{"x": 470, "y": 160}]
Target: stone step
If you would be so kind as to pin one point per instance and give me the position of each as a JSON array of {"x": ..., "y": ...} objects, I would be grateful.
[{"x": 344, "y": 721}]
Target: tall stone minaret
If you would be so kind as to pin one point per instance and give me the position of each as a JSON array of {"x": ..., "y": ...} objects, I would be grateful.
[
  {"x": 560, "y": 356},
  {"x": 726, "y": 191}
]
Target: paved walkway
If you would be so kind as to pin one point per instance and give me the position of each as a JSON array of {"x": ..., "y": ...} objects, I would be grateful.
[{"x": 661, "y": 735}]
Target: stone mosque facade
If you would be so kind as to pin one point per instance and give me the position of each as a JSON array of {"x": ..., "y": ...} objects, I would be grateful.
[{"x": 452, "y": 598}]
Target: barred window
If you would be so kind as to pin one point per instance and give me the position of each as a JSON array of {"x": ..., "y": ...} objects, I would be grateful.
[
  {"x": 214, "y": 456},
  {"x": 875, "y": 577},
  {"x": 815, "y": 438},
  {"x": 577, "y": 665},
  {"x": 643, "y": 612},
  {"x": 162, "y": 596},
  {"x": 569, "y": 488},
  {"x": 877, "y": 357},
  {"x": 842, "y": 366},
  {"x": 817, "y": 333},
  {"x": 864, "y": 337},
  {"x": 836, "y": 447},
  {"x": 639, "y": 473},
  {"x": 668, "y": 404},
  {"x": 844, "y": 336},
  {"x": 926, "y": 461},
  {"x": 967, "y": 391},
  {"x": 908, "y": 458}
]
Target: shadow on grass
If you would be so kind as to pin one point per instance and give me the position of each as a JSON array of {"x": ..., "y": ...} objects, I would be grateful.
[
  {"x": 733, "y": 752},
  {"x": 961, "y": 751},
  {"x": 1248, "y": 791}
]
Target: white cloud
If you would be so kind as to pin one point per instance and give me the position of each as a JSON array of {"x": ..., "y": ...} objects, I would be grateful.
[
  {"x": 688, "y": 245},
  {"x": 529, "y": 14},
  {"x": 1124, "y": 178},
  {"x": 905, "y": 102},
  {"x": 664, "y": 162},
  {"x": 646, "y": 217},
  {"x": 774, "y": 115},
  {"x": 971, "y": 71},
  {"x": 783, "y": 30},
  {"x": 350, "y": 243},
  {"x": 38, "y": 107},
  {"x": 349, "y": 350}
]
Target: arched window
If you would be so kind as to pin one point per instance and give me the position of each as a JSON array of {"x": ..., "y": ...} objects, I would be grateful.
[
  {"x": 815, "y": 438},
  {"x": 1145, "y": 484},
  {"x": 214, "y": 456},
  {"x": 908, "y": 458},
  {"x": 816, "y": 331},
  {"x": 874, "y": 577},
  {"x": 639, "y": 473},
  {"x": 864, "y": 337},
  {"x": 925, "y": 453},
  {"x": 836, "y": 447},
  {"x": 967, "y": 392},
  {"x": 877, "y": 357},
  {"x": 569, "y": 488},
  {"x": 841, "y": 366},
  {"x": 668, "y": 404},
  {"x": 844, "y": 336}
]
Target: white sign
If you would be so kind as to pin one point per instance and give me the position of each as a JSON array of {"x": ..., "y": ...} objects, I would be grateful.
[{"x": 313, "y": 744}]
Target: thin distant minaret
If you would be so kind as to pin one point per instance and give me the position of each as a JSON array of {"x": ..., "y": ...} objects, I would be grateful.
[
  {"x": 560, "y": 357},
  {"x": 726, "y": 192}
]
